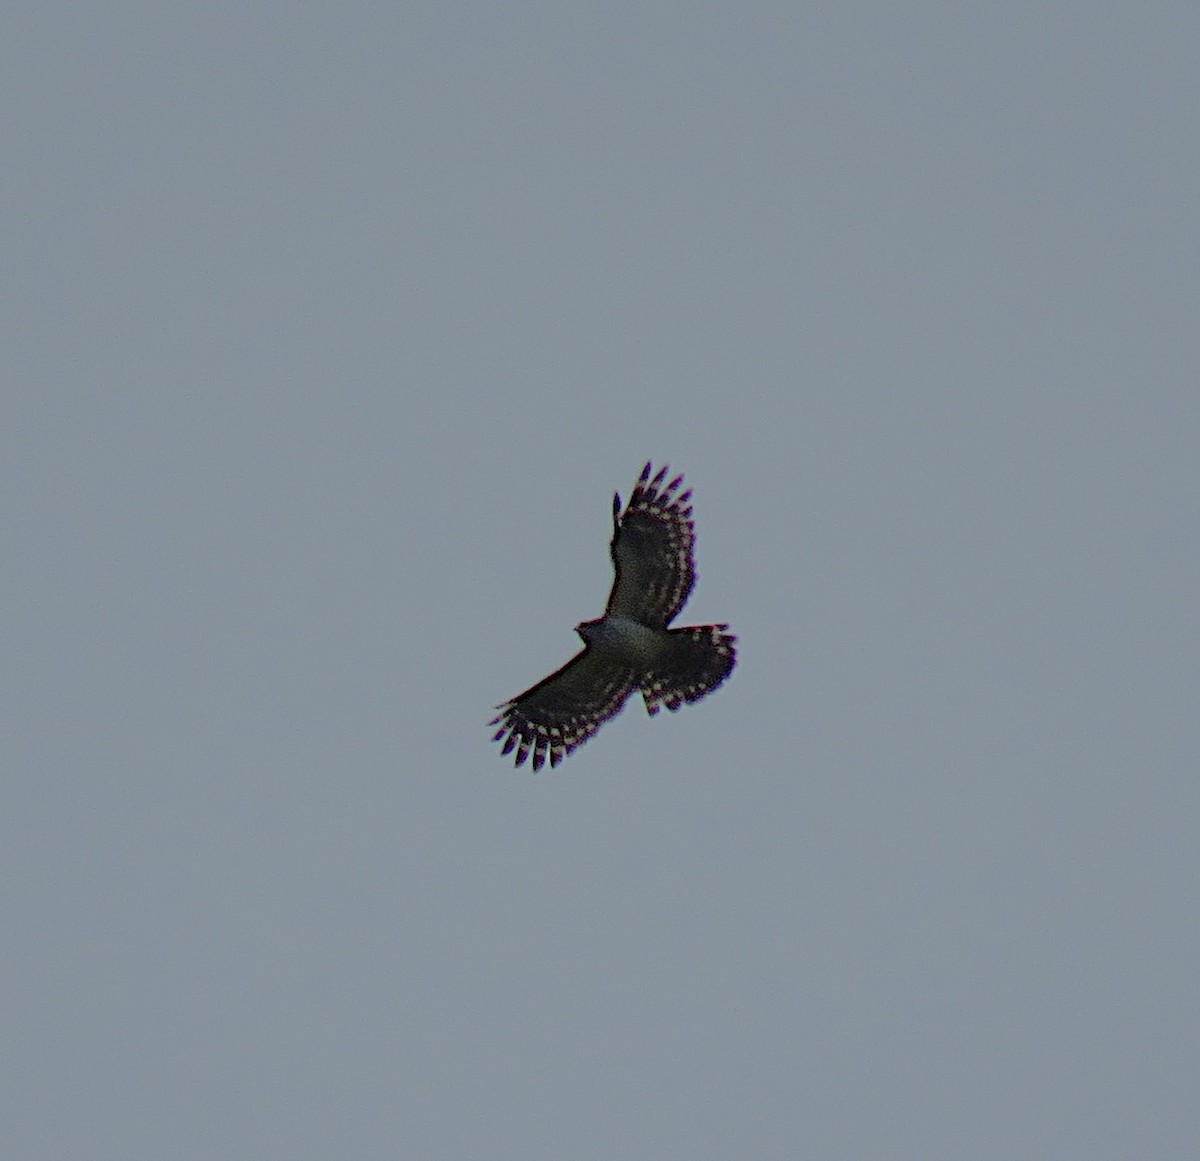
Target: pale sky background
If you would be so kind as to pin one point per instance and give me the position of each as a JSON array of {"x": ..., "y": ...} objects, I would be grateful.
[{"x": 330, "y": 331}]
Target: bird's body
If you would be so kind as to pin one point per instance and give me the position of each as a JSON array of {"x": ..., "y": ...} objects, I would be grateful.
[
  {"x": 630, "y": 648},
  {"x": 622, "y": 637}
]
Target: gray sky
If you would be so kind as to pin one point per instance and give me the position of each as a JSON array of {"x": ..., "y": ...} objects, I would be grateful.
[{"x": 332, "y": 329}]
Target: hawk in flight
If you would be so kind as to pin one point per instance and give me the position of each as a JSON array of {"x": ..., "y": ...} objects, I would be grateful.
[{"x": 630, "y": 648}]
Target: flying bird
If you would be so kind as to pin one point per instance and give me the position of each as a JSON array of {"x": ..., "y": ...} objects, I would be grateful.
[{"x": 630, "y": 648}]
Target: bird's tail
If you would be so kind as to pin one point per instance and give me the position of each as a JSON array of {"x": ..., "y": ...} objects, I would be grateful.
[{"x": 700, "y": 658}]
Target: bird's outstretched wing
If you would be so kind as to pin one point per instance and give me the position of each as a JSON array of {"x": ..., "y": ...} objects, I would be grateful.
[
  {"x": 565, "y": 709},
  {"x": 652, "y": 551}
]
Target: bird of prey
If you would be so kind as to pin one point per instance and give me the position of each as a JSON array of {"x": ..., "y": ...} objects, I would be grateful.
[{"x": 630, "y": 648}]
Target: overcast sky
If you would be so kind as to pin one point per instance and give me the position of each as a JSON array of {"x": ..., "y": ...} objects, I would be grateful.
[{"x": 330, "y": 332}]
